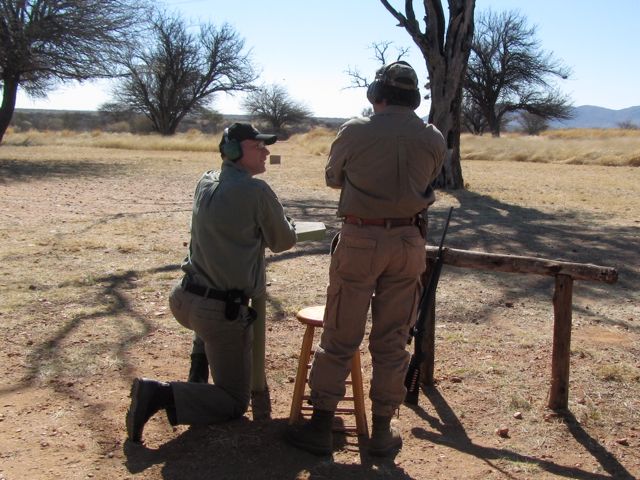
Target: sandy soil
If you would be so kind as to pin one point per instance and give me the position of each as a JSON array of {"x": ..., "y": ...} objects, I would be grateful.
[{"x": 91, "y": 242}]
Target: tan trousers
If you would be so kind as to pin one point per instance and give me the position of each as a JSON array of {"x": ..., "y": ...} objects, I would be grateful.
[
  {"x": 369, "y": 260},
  {"x": 228, "y": 348}
]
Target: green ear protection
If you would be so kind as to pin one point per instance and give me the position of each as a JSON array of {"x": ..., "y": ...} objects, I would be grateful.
[{"x": 231, "y": 148}]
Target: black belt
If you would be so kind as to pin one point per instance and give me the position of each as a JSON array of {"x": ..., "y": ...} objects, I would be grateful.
[
  {"x": 224, "y": 295},
  {"x": 380, "y": 222}
]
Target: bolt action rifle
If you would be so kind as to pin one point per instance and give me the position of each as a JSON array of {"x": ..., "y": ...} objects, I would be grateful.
[{"x": 427, "y": 301}]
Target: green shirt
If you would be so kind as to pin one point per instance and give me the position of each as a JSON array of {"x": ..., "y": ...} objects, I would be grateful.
[{"x": 235, "y": 216}]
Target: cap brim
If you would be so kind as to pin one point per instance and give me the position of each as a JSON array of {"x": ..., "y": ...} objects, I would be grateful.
[{"x": 267, "y": 139}]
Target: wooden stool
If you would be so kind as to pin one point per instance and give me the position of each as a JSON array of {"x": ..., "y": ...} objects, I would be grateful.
[{"x": 312, "y": 318}]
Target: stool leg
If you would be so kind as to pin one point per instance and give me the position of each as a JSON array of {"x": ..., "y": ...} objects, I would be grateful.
[
  {"x": 301, "y": 375},
  {"x": 358, "y": 395}
]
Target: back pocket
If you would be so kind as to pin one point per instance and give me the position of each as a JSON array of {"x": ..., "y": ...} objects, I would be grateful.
[{"x": 415, "y": 255}]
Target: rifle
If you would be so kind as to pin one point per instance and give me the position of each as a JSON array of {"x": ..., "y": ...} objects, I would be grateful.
[{"x": 427, "y": 300}]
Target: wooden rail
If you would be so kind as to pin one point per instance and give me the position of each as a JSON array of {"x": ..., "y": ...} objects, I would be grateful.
[{"x": 564, "y": 272}]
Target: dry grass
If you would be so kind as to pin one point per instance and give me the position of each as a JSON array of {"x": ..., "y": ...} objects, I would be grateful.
[
  {"x": 573, "y": 147},
  {"x": 612, "y": 147},
  {"x": 192, "y": 141}
]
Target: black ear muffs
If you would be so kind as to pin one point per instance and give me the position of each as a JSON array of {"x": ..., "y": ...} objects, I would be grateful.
[
  {"x": 415, "y": 101},
  {"x": 231, "y": 148},
  {"x": 374, "y": 92},
  {"x": 376, "y": 89}
]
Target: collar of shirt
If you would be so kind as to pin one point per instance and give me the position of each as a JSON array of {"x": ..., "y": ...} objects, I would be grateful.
[
  {"x": 232, "y": 170},
  {"x": 389, "y": 109}
]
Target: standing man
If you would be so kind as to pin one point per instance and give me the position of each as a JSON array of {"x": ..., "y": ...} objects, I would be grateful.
[
  {"x": 384, "y": 166},
  {"x": 235, "y": 216}
]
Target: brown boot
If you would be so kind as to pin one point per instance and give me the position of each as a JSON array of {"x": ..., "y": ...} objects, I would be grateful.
[
  {"x": 314, "y": 436},
  {"x": 385, "y": 438}
]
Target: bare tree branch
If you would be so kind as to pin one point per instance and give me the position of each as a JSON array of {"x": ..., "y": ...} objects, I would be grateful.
[
  {"x": 508, "y": 72},
  {"x": 380, "y": 52},
  {"x": 44, "y": 42},
  {"x": 175, "y": 72},
  {"x": 273, "y": 105}
]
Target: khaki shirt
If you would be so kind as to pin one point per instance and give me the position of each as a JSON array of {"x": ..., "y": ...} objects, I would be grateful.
[
  {"x": 235, "y": 216},
  {"x": 384, "y": 164}
]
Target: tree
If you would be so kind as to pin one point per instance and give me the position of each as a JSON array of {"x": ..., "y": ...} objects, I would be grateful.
[
  {"x": 472, "y": 119},
  {"x": 43, "y": 42},
  {"x": 273, "y": 105},
  {"x": 532, "y": 124},
  {"x": 446, "y": 53},
  {"x": 509, "y": 72},
  {"x": 380, "y": 51},
  {"x": 175, "y": 72}
]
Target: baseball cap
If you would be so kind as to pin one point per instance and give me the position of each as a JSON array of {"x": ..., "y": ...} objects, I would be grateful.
[
  {"x": 246, "y": 131},
  {"x": 400, "y": 75}
]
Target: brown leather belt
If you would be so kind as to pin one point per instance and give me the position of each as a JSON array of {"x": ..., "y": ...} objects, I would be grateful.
[{"x": 380, "y": 222}]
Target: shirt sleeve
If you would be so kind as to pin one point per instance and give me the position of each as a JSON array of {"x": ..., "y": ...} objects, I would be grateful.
[
  {"x": 334, "y": 170},
  {"x": 278, "y": 232}
]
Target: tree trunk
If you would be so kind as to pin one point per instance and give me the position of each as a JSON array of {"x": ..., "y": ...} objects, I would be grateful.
[
  {"x": 494, "y": 124},
  {"x": 443, "y": 114},
  {"x": 9, "y": 95},
  {"x": 446, "y": 57}
]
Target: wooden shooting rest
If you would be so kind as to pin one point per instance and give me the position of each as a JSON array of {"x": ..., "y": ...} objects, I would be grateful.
[{"x": 564, "y": 272}]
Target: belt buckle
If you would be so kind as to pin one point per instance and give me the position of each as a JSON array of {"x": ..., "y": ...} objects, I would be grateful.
[{"x": 387, "y": 223}]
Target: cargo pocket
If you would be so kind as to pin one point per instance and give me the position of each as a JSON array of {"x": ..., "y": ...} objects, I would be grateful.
[
  {"x": 355, "y": 256},
  {"x": 330, "y": 319},
  {"x": 415, "y": 255}
]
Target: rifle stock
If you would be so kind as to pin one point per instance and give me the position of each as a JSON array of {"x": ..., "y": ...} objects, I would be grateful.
[{"x": 427, "y": 301}]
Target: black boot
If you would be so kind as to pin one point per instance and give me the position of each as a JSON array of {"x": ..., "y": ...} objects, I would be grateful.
[
  {"x": 147, "y": 398},
  {"x": 314, "y": 436},
  {"x": 385, "y": 438},
  {"x": 199, "y": 371}
]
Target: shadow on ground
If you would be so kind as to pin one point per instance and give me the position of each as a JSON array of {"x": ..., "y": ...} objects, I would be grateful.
[
  {"x": 243, "y": 449},
  {"x": 26, "y": 171},
  {"x": 449, "y": 431}
]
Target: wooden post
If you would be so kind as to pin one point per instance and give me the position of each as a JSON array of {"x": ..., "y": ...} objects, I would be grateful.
[
  {"x": 564, "y": 272},
  {"x": 560, "y": 360}
]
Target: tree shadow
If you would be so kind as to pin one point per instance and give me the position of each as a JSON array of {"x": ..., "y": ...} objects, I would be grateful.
[
  {"x": 243, "y": 449},
  {"x": 47, "y": 355},
  {"x": 451, "y": 433},
  {"x": 482, "y": 223},
  {"x": 30, "y": 170}
]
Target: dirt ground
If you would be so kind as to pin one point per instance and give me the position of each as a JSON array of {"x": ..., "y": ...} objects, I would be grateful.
[{"x": 91, "y": 241}]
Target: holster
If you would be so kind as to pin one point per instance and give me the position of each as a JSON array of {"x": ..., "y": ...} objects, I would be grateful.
[
  {"x": 232, "y": 307},
  {"x": 232, "y": 304},
  {"x": 421, "y": 220}
]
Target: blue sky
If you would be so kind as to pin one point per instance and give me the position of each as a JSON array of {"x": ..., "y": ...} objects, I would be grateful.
[{"x": 307, "y": 46}]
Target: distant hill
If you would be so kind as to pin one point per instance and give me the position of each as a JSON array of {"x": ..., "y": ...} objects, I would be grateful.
[
  {"x": 589, "y": 116},
  {"x": 585, "y": 116}
]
